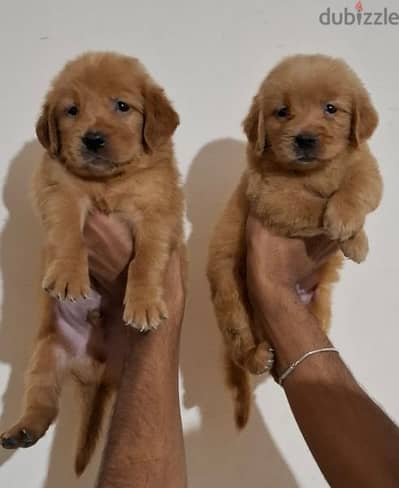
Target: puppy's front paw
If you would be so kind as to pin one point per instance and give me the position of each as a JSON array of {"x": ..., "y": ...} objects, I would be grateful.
[
  {"x": 143, "y": 311},
  {"x": 341, "y": 221},
  {"x": 67, "y": 279},
  {"x": 356, "y": 248}
]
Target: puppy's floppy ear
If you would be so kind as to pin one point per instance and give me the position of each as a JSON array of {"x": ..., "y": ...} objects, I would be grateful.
[
  {"x": 47, "y": 130},
  {"x": 254, "y": 127},
  {"x": 364, "y": 117},
  {"x": 160, "y": 119}
]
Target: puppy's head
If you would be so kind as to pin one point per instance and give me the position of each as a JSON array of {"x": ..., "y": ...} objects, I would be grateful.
[
  {"x": 308, "y": 111},
  {"x": 104, "y": 112}
]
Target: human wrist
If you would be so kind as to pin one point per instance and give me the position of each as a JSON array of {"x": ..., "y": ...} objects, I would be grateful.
[
  {"x": 292, "y": 344},
  {"x": 284, "y": 374},
  {"x": 288, "y": 324}
]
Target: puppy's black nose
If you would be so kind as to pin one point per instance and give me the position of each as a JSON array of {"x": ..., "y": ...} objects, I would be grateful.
[
  {"x": 94, "y": 141},
  {"x": 306, "y": 141}
]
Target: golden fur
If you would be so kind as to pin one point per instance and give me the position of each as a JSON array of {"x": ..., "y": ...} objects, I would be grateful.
[
  {"x": 133, "y": 175},
  {"x": 326, "y": 188}
]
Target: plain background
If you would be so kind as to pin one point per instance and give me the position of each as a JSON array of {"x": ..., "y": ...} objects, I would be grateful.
[{"x": 210, "y": 56}]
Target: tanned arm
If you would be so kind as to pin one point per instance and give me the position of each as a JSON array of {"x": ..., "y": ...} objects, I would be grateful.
[
  {"x": 145, "y": 446},
  {"x": 353, "y": 441}
]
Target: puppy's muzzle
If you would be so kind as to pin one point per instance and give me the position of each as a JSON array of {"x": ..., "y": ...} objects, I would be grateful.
[
  {"x": 306, "y": 146},
  {"x": 94, "y": 141}
]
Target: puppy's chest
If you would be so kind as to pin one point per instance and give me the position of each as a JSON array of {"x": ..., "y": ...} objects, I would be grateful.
[
  {"x": 281, "y": 188},
  {"x": 109, "y": 200},
  {"x": 291, "y": 204},
  {"x": 103, "y": 204}
]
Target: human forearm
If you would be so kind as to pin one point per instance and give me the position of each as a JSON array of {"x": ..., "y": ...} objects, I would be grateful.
[
  {"x": 145, "y": 443},
  {"x": 145, "y": 446},
  {"x": 352, "y": 440}
]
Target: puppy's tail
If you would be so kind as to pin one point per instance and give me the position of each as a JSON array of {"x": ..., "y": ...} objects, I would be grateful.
[
  {"x": 95, "y": 402},
  {"x": 239, "y": 382}
]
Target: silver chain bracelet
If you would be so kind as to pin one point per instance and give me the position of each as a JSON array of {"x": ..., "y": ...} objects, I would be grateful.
[{"x": 294, "y": 365}]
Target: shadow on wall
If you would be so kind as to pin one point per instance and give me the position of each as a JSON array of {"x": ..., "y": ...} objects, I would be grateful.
[
  {"x": 217, "y": 455},
  {"x": 20, "y": 266}
]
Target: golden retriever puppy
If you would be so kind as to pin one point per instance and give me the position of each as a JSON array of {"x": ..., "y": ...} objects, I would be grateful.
[
  {"x": 106, "y": 127},
  {"x": 310, "y": 172}
]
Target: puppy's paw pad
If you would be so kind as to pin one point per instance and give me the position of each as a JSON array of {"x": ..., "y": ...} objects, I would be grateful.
[{"x": 21, "y": 437}]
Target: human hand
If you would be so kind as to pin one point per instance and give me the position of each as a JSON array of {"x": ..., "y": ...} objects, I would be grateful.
[
  {"x": 110, "y": 247},
  {"x": 283, "y": 265}
]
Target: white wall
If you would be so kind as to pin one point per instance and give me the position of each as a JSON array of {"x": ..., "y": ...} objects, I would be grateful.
[{"x": 210, "y": 56}]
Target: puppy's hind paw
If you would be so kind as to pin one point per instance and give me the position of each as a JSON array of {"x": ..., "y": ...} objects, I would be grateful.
[
  {"x": 260, "y": 360},
  {"x": 19, "y": 438}
]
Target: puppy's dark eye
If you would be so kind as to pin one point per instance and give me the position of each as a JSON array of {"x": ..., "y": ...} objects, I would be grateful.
[
  {"x": 282, "y": 112},
  {"x": 122, "y": 106},
  {"x": 72, "y": 110},
  {"x": 331, "y": 109}
]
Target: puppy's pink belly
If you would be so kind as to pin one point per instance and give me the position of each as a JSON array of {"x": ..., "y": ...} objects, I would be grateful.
[
  {"x": 305, "y": 296},
  {"x": 84, "y": 341},
  {"x": 72, "y": 327}
]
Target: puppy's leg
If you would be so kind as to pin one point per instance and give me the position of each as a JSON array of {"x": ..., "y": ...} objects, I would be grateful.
[
  {"x": 321, "y": 303},
  {"x": 342, "y": 220},
  {"x": 359, "y": 194},
  {"x": 43, "y": 385},
  {"x": 66, "y": 272},
  {"x": 144, "y": 303},
  {"x": 257, "y": 358},
  {"x": 226, "y": 261}
]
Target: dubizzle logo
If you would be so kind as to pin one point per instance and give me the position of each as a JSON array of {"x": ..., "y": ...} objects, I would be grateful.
[{"x": 361, "y": 17}]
